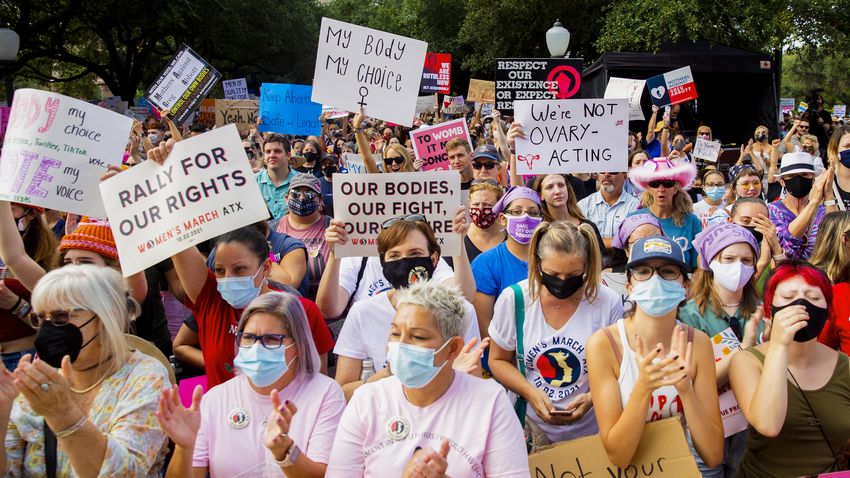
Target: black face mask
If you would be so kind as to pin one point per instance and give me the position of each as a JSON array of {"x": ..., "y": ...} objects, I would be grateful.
[
  {"x": 410, "y": 270},
  {"x": 329, "y": 170},
  {"x": 561, "y": 288},
  {"x": 311, "y": 156},
  {"x": 761, "y": 137},
  {"x": 799, "y": 186},
  {"x": 694, "y": 193},
  {"x": 752, "y": 229},
  {"x": 53, "y": 342},
  {"x": 817, "y": 319}
]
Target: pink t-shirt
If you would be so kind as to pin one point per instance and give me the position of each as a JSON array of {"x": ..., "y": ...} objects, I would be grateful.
[
  {"x": 233, "y": 421},
  {"x": 313, "y": 238},
  {"x": 380, "y": 431}
]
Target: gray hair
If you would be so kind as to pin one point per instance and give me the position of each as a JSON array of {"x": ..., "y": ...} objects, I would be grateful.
[
  {"x": 444, "y": 302},
  {"x": 99, "y": 290},
  {"x": 287, "y": 307}
]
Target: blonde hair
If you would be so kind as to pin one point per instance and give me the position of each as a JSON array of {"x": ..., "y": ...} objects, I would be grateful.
[
  {"x": 562, "y": 237},
  {"x": 813, "y": 139},
  {"x": 407, "y": 165},
  {"x": 572, "y": 202},
  {"x": 682, "y": 205},
  {"x": 96, "y": 289},
  {"x": 829, "y": 254},
  {"x": 834, "y": 141}
]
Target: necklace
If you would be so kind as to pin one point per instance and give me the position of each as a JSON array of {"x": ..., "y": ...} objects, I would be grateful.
[
  {"x": 90, "y": 388},
  {"x": 731, "y": 305}
]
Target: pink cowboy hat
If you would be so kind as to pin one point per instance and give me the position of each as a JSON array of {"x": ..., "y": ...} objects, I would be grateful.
[{"x": 657, "y": 169}]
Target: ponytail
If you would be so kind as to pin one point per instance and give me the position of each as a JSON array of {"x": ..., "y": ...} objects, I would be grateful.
[{"x": 561, "y": 237}]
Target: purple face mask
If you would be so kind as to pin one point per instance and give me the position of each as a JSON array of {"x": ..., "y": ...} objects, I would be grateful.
[{"x": 520, "y": 228}]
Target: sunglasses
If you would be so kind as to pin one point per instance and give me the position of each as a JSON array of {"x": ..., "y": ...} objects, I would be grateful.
[
  {"x": 667, "y": 183},
  {"x": 488, "y": 165},
  {"x": 409, "y": 218},
  {"x": 397, "y": 160},
  {"x": 58, "y": 317}
]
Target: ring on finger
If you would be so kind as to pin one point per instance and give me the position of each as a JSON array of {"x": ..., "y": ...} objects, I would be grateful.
[{"x": 45, "y": 386}]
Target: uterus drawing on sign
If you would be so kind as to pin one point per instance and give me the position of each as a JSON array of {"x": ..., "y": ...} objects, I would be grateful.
[{"x": 529, "y": 159}]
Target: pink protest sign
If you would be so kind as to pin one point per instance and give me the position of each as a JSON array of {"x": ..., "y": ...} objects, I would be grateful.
[
  {"x": 429, "y": 144},
  {"x": 187, "y": 386}
]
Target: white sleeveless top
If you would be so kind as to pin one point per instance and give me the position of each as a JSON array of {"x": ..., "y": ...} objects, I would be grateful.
[{"x": 665, "y": 401}]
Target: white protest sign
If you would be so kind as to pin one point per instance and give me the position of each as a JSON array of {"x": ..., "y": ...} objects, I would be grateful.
[
  {"x": 424, "y": 104},
  {"x": 204, "y": 189},
  {"x": 235, "y": 89},
  {"x": 734, "y": 420},
  {"x": 707, "y": 150},
  {"x": 365, "y": 201},
  {"x": 486, "y": 109},
  {"x": 630, "y": 90},
  {"x": 839, "y": 111},
  {"x": 57, "y": 148},
  {"x": 361, "y": 67},
  {"x": 572, "y": 136},
  {"x": 354, "y": 162}
]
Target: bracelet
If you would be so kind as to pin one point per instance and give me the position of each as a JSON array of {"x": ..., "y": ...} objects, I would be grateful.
[
  {"x": 15, "y": 307},
  {"x": 72, "y": 429},
  {"x": 780, "y": 257}
]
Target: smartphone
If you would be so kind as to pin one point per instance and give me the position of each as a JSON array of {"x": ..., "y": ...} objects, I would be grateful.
[
  {"x": 2, "y": 272},
  {"x": 564, "y": 413}
]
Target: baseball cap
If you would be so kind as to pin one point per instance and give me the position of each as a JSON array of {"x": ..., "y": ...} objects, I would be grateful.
[
  {"x": 657, "y": 247},
  {"x": 305, "y": 180},
  {"x": 486, "y": 151}
]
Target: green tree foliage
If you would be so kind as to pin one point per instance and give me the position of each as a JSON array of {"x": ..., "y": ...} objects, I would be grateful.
[{"x": 808, "y": 69}]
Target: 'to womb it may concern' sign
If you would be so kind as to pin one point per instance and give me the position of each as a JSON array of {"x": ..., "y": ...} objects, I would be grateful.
[
  {"x": 361, "y": 67},
  {"x": 429, "y": 144},
  {"x": 365, "y": 201},
  {"x": 57, "y": 148},
  {"x": 204, "y": 189}
]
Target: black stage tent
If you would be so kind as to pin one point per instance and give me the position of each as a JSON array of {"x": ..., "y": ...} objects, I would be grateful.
[{"x": 737, "y": 89}]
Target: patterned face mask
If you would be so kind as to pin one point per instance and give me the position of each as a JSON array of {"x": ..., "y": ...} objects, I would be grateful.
[{"x": 482, "y": 217}]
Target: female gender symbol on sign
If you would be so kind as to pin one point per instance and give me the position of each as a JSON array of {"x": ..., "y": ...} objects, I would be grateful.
[
  {"x": 364, "y": 92},
  {"x": 564, "y": 81}
]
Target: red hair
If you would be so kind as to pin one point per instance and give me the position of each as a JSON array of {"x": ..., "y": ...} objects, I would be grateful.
[{"x": 811, "y": 274}]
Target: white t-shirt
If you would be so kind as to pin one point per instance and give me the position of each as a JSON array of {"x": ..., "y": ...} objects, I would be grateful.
[
  {"x": 234, "y": 416},
  {"x": 555, "y": 360},
  {"x": 368, "y": 326},
  {"x": 701, "y": 209},
  {"x": 373, "y": 281},
  {"x": 380, "y": 431}
]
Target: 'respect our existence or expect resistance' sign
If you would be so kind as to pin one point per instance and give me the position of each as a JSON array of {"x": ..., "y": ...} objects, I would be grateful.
[
  {"x": 204, "y": 189},
  {"x": 536, "y": 79},
  {"x": 361, "y": 67},
  {"x": 429, "y": 144},
  {"x": 365, "y": 201},
  {"x": 182, "y": 85},
  {"x": 572, "y": 136},
  {"x": 57, "y": 148}
]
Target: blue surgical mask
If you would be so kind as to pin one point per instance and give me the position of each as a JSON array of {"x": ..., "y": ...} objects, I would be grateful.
[
  {"x": 715, "y": 192},
  {"x": 413, "y": 365},
  {"x": 844, "y": 157},
  {"x": 238, "y": 291},
  {"x": 657, "y": 296},
  {"x": 262, "y": 366}
]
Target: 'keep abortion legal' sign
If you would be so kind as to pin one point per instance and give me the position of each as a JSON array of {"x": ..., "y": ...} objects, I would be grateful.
[
  {"x": 57, "y": 148},
  {"x": 204, "y": 189},
  {"x": 572, "y": 136},
  {"x": 361, "y": 67}
]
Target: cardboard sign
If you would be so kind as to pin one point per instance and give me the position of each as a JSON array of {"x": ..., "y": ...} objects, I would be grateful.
[
  {"x": 361, "y": 67},
  {"x": 786, "y": 105},
  {"x": 206, "y": 112},
  {"x": 672, "y": 88},
  {"x": 429, "y": 144},
  {"x": 803, "y": 107},
  {"x": 707, "y": 150},
  {"x": 365, "y": 201},
  {"x": 437, "y": 73},
  {"x": 733, "y": 418},
  {"x": 630, "y": 90},
  {"x": 536, "y": 79},
  {"x": 481, "y": 91},
  {"x": 242, "y": 113},
  {"x": 662, "y": 453},
  {"x": 287, "y": 109},
  {"x": 235, "y": 89},
  {"x": 4, "y": 120},
  {"x": 182, "y": 84},
  {"x": 572, "y": 136},
  {"x": 204, "y": 189},
  {"x": 57, "y": 148},
  {"x": 839, "y": 111}
]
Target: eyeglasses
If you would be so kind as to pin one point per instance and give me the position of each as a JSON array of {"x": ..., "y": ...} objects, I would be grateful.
[
  {"x": 269, "y": 341},
  {"x": 409, "y": 218},
  {"x": 488, "y": 165},
  {"x": 667, "y": 183},
  {"x": 643, "y": 273},
  {"x": 249, "y": 152},
  {"x": 308, "y": 195},
  {"x": 520, "y": 211},
  {"x": 396, "y": 160},
  {"x": 58, "y": 317},
  {"x": 750, "y": 185}
]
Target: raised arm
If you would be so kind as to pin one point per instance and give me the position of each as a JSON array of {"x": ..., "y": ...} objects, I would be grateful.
[
  {"x": 363, "y": 144},
  {"x": 12, "y": 250},
  {"x": 331, "y": 297}
]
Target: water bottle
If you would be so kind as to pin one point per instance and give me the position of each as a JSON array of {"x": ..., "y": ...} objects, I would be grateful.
[{"x": 368, "y": 369}]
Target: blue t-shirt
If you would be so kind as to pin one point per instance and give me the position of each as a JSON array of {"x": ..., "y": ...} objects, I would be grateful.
[
  {"x": 327, "y": 196},
  {"x": 683, "y": 235},
  {"x": 653, "y": 148},
  {"x": 498, "y": 269}
]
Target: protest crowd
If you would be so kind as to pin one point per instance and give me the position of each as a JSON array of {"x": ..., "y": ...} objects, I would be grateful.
[{"x": 362, "y": 308}]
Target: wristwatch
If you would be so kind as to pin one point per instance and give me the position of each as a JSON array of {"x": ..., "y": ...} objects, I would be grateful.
[
  {"x": 291, "y": 456},
  {"x": 23, "y": 309}
]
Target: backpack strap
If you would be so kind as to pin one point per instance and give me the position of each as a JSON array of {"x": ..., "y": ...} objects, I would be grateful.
[
  {"x": 520, "y": 405},
  {"x": 617, "y": 352},
  {"x": 50, "y": 451},
  {"x": 360, "y": 273}
]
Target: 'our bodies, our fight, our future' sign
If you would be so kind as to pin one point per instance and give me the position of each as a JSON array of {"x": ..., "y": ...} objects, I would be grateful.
[
  {"x": 182, "y": 84},
  {"x": 204, "y": 189},
  {"x": 437, "y": 73},
  {"x": 572, "y": 136},
  {"x": 672, "y": 88},
  {"x": 707, "y": 150},
  {"x": 235, "y": 89},
  {"x": 288, "y": 109},
  {"x": 536, "y": 79},
  {"x": 361, "y": 67},
  {"x": 429, "y": 144},
  {"x": 630, "y": 90},
  {"x": 365, "y": 201},
  {"x": 57, "y": 148}
]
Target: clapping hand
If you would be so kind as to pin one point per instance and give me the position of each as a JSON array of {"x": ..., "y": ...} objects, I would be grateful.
[
  {"x": 427, "y": 463},
  {"x": 277, "y": 430},
  {"x": 179, "y": 423}
]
